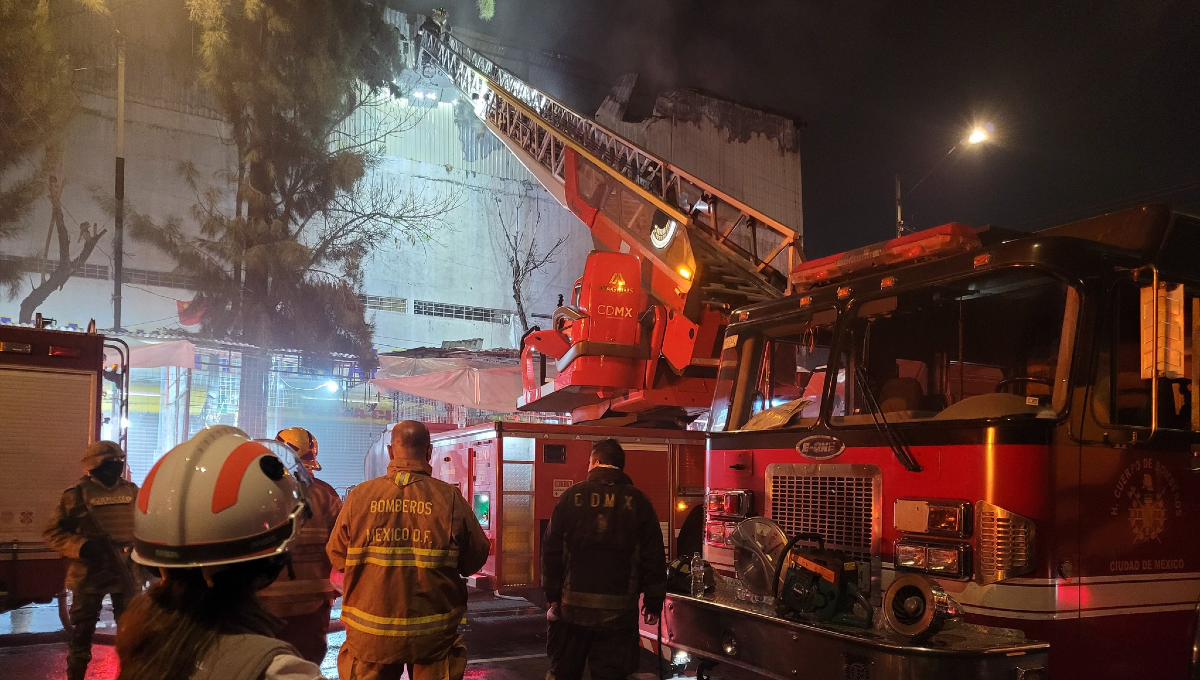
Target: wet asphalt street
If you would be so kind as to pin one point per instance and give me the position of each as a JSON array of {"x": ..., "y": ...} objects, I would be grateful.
[{"x": 506, "y": 640}]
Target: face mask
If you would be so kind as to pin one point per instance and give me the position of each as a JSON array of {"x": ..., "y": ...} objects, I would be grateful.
[{"x": 108, "y": 472}]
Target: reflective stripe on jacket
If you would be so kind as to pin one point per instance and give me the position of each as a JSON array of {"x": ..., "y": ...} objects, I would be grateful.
[
  {"x": 311, "y": 588},
  {"x": 603, "y": 549},
  {"x": 405, "y": 541}
]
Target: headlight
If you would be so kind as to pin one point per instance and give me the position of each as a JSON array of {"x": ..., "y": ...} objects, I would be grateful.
[
  {"x": 943, "y": 560},
  {"x": 910, "y": 556},
  {"x": 949, "y": 560},
  {"x": 732, "y": 503}
]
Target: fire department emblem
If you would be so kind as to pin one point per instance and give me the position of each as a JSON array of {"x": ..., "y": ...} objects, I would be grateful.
[{"x": 1147, "y": 494}]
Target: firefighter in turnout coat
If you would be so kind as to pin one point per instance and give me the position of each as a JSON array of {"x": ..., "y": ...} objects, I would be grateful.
[
  {"x": 603, "y": 549},
  {"x": 93, "y": 528},
  {"x": 405, "y": 542},
  {"x": 302, "y": 595}
]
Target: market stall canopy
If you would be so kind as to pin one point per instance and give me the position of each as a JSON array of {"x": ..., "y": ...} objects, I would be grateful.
[
  {"x": 484, "y": 380},
  {"x": 155, "y": 353}
]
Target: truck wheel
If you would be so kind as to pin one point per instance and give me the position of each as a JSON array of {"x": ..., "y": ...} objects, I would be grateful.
[{"x": 64, "y": 610}]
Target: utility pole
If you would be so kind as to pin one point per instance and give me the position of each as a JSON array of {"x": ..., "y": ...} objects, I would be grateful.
[
  {"x": 899, "y": 216},
  {"x": 119, "y": 188}
]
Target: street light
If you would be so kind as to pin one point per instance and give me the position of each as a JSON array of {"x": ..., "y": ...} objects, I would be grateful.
[{"x": 977, "y": 135}]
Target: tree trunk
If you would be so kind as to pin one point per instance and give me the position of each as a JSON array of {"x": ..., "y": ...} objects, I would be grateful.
[
  {"x": 252, "y": 392},
  {"x": 58, "y": 228},
  {"x": 520, "y": 305}
]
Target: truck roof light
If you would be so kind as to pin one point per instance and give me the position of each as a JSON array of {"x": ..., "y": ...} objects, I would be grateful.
[{"x": 942, "y": 241}]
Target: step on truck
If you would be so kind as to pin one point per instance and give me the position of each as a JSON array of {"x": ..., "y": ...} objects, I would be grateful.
[{"x": 999, "y": 425}]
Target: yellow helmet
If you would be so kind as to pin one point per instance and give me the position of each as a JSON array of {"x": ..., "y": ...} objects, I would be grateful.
[{"x": 303, "y": 443}]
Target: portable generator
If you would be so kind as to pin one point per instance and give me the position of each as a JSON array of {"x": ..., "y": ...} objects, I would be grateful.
[{"x": 820, "y": 584}]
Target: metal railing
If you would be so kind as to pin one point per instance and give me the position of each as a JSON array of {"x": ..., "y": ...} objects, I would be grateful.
[{"x": 543, "y": 127}]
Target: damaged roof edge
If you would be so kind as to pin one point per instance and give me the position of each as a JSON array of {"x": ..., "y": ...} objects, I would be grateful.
[{"x": 738, "y": 120}]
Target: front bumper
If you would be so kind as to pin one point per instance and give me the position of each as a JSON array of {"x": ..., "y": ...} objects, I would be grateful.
[{"x": 722, "y": 628}]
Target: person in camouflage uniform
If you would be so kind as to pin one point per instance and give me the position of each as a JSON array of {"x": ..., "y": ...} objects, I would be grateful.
[{"x": 93, "y": 528}]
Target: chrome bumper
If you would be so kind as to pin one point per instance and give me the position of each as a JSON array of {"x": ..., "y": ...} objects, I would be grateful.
[{"x": 724, "y": 629}]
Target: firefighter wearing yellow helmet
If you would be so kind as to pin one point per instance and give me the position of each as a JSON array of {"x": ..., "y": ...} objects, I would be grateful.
[
  {"x": 303, "y": 595},
  {"x": 303, "y": 443}
]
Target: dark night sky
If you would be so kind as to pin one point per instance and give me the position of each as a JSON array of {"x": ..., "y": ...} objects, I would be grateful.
[{"x": 1096, "y": 104}]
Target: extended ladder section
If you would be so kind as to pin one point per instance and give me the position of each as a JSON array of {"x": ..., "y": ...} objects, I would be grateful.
[{"x": 730, "y": 253}]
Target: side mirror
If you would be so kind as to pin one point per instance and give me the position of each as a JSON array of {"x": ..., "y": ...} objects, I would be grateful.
[{"x": 1162, "y": 331}]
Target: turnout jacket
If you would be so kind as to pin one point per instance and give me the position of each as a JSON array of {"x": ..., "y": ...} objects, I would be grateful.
[
  {"x": 90, "y": 511},
  {"x": 603, "y": 548},
  {"x": 311, "y": 588},
  {"x": 405, "y": 541}
]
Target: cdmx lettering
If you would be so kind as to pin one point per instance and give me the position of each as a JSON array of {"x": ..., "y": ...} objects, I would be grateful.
[
  {"x": 612, "y": 310},
  {"x": 608, "y": 500}
]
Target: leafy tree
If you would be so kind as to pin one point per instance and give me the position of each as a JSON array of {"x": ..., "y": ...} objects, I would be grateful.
[
  {"x": 277, "y": 262},
  {"x": 36, "y": 104}
]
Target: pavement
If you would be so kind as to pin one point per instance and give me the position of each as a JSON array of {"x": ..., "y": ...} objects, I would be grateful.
[{"x": 505, "y": 637}]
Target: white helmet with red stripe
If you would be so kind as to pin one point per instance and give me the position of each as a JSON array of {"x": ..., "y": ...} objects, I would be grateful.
[{"x": 219, "y": 498}]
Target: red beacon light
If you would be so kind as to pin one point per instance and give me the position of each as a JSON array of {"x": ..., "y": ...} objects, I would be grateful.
[{"x": 942, "y": 241}]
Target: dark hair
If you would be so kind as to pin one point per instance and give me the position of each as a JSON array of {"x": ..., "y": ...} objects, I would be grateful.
[
  {"x": 410, "y": 439},
  {"x": 609, "y": 452},
  {"x": 168, "y": 630}
]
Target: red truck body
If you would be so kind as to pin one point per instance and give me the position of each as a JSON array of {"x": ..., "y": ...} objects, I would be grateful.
[{"x": 52, "y": 387}]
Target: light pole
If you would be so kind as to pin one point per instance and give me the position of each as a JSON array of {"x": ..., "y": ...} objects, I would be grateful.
[{"x": 977, "y": 135}]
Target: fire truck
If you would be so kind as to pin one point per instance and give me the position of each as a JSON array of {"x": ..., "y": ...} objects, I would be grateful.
[
  {"x": 994, "y": 423},
  {"x": 56, "y": 397},
  {"x": 957, "y": 425},
  {"x": 513, "y": 473}
]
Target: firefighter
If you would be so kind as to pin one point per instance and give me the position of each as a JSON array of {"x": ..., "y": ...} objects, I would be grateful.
[
  {"x": 93, "y": 527},
  {"x": 216, "y": 516},
  {"x": 303, "y": 595},
  {"x": 602, "y": 549},
  {"x": 405, "y": 542}
]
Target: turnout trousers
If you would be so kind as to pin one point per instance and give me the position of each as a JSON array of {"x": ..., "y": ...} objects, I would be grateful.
[
  {"x": 84, "y": 615},
  {"x": 609, "y": 653},
  {"x": 450, "y": 667}
]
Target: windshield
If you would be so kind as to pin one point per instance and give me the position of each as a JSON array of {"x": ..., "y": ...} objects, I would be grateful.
[
  {"x": 777, "y": 376},
  {"x": 992, "y": 345}
]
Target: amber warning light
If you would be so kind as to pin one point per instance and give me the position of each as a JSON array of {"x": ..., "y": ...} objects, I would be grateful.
[{"x": 947, "y": 239}]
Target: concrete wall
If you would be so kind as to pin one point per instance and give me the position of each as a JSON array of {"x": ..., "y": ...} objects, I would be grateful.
[
  {"x": 440, "y": 154},
  {"x": 750, "y": 154}
]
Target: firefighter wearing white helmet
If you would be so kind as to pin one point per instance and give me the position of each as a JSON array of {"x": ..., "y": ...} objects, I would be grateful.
[
  {"x": 303, "y": 595},
  {"x": 216, "y": 516}
]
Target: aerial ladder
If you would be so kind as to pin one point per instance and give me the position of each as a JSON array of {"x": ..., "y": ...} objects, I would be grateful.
[{"x": 640, "y": 338}]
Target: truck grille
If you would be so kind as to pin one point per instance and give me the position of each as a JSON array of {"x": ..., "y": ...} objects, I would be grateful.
[
  {"x": 840, "y": 502},
  {"x": 1005, "y": 543}
]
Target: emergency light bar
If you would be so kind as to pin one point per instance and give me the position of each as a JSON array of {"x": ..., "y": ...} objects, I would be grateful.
[{"x": 947, "y": 239}]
